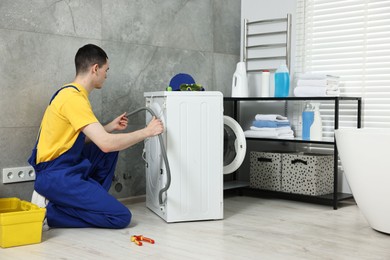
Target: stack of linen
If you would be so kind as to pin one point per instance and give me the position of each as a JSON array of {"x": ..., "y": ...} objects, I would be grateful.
[
  {"x": 270, "y": 126},
  {"x": 317, "y": 85}
]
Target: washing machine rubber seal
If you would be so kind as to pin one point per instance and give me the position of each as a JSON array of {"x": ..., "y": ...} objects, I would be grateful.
[{"x": 239, "y": 145}]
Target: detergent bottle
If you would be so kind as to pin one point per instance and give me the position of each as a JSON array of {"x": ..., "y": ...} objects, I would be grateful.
[
  {"x": 307, "y": 121},
  {"x": 282, "y": 81},
  {"x": 240, "y": 81}
]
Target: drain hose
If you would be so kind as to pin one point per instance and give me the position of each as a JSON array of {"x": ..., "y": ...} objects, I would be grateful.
[{"x": 163, "y": 151}]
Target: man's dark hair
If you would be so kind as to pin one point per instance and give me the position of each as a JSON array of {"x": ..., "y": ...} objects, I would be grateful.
[{"x": 89, "y": 55}]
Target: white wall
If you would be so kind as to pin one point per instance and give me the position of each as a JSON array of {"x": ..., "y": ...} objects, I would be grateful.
[{"x": 264, "y": 9}]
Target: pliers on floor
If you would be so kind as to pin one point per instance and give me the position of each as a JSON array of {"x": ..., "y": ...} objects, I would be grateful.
[{"x": 137, "y": 239}]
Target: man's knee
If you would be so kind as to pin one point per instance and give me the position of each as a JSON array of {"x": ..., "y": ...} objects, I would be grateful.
[{"x": 123, "y": 220}]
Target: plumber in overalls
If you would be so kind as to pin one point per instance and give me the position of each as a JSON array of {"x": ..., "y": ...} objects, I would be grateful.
[{"x": 75, "y": 156}]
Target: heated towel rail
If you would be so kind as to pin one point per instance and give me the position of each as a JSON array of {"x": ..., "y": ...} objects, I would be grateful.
[{"x": 267, "y": 44}]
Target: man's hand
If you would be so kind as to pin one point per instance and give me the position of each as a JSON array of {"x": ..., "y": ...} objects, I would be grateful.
[
  {"x": 155, "y": 127},
  {"x": 118, "y": 124}
]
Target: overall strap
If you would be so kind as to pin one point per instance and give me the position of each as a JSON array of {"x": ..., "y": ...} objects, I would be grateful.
[
  {"x": 55, "y": 94},
  {"x": 52, "y": 98}
]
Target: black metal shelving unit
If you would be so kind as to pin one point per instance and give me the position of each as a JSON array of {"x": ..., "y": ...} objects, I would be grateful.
[{"x": 332, "y": 198}]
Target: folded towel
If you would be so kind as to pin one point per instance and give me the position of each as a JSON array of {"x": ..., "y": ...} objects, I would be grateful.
[
  {"x": 269, "y": 123},
  {"x": 315, "y": 75},
  {"x": 316, "y": 82},
  {"x": 310, "y": 91},
  {"x": 316, "y": 91},
  {"x": 328, "y": 87},
  {"x": 279, "y": 131},
  {"x": 267, "y": 134},
  {"x": 272, "y": 117},
  {"x": 260, "y": 134},
  {"x": 282, "y": 128}
]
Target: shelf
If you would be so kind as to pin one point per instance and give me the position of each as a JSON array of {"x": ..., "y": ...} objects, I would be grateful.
[
  {"x": 329, "y": 199},
  {"x": 295, "y": 140},
  {"x": 289, "y": 98}
]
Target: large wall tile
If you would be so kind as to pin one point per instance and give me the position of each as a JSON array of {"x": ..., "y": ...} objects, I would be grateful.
[
  {"x": 175, "y": 23},
  {"x": 130, "y": 179},
  {"x": 227, "y": 26},
  {"x": 121, "y": 92},
  {"x": 21, "y": 190},
  {"x": 16, "y": 145},
  {"x": 71, "y": 17},
  {"x": 15, "y": 149},
  {"x": 135, "y": 69},
  {"x": 33, "y": 67}
]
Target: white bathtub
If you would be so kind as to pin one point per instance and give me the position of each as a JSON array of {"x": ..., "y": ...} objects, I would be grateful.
[{"x": 365, "y": 157}]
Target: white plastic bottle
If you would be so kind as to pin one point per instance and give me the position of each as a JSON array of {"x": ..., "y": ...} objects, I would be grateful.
[
  {"x": 240, "y": 81},
  {"x": 316, "y": 127},
  {"x": 265, "y": 83}
]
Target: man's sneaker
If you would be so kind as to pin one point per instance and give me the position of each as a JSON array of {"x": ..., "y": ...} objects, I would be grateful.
[
  {"x": 45, "y": 226},
  {"x": 39, "y": 200}
]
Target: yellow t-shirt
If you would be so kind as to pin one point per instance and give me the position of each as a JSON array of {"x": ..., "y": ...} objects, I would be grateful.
[{"x": 69, "y": 111}]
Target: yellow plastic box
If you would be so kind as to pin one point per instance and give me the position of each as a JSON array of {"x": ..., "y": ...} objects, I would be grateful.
[{"x": 20, "y": 222}]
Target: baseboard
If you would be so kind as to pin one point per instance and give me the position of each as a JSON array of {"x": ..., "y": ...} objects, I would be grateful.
[{"x": 133, "y": 200}]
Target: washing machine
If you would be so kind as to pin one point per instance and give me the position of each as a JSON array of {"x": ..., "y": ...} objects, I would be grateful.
[{"x": 196, "y": 137}]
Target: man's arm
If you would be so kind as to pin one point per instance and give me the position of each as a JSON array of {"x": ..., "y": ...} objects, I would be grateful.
[
  {"x": 118, "y": 124},
  {"x": 108, "y": 142}
]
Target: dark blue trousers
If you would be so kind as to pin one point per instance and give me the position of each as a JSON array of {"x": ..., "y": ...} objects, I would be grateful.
[{"x": 77, "y": 184}]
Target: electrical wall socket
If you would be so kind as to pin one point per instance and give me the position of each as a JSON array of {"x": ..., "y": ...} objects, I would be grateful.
[{"x": 18, "y": 174}]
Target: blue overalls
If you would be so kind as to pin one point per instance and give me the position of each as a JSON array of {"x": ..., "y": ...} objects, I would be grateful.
[{"x": 76, "y": 185}]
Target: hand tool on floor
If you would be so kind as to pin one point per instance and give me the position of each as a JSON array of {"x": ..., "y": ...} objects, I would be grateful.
[
  {"x": 136, "y": 241},
  {"x": 146, "y": 239}
]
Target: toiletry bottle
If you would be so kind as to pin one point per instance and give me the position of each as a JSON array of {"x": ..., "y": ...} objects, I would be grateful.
[
  {"x": 316, "y": 127},
  {"x": 282, "y": 81},
  {"x": 307, "y": 121},
  {"x": 240, "y": 81},
  {"x": 265, "y": 83}
]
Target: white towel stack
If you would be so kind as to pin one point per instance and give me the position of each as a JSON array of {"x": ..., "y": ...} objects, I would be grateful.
[
  {"x": 317, "y": 85},
  {"x": 270, "y": 126}
]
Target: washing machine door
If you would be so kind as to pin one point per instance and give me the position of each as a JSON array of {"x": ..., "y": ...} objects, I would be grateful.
[{"x": 234, "y": 147}]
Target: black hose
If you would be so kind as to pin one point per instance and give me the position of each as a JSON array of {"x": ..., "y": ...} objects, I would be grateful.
[{"x": 163, "y": 151}]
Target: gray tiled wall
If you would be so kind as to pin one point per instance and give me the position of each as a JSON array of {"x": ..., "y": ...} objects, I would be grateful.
[{"x": 147, "y": 42}]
